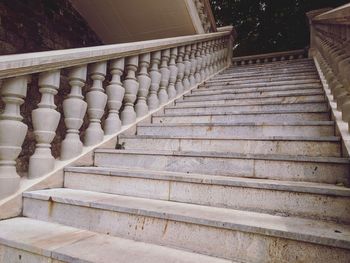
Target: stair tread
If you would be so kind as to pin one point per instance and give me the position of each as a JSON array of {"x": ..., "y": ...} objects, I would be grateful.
[
  {"x": 277, "y": 157},
  {"x": 313, "y": 231},
  {"x": 240, "y": 113},
  {"x": 234, "y": 105},
  {"x": 292, "y": 186},
  {"x": 70, "y": 244},
  {"x": 267, "y": 138},
  {"x": 262, "y": 123}
]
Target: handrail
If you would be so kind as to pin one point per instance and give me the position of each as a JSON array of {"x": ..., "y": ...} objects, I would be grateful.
[
  {"x": 142, "y": 77},
  {"x": 28, "y": 63}
]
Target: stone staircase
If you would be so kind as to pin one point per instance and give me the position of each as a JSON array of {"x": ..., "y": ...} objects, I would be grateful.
[{"x": 246, "y": 168}]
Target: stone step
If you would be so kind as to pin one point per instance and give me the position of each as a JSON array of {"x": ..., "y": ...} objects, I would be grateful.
[
  {"x": 239, "y": 130},
  {"x": 259, "y": 82},
  {"x": 317, "y": 106},
  {"x": 284, "y": 99},
  {"x": 272, "y": 70},
  {"x": 253, "y": 95},
  {"x": 242, "y": 117},
  {"x": 318, "y": 201},
  {"x": 307, "y": 146},
  {"x": 244, "y": 89},
  {"x": 28, "y": 240},
  {"x": 201, "y": 229},
  {"x": 275, "y": 64},
  {"x": 330, "y": 170},
  {"x": 268, "y": 75},
  {"x": 268, "y": 79}
]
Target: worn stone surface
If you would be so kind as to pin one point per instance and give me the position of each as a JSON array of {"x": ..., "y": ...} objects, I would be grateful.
[{"x": 190, "y": 227}]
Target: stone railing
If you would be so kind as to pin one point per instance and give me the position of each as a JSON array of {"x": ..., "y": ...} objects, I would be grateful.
[
  {"x": 330, "y": 48},
  {"x": 269, "y": 57},
  {"x": 123, "y": 83}
]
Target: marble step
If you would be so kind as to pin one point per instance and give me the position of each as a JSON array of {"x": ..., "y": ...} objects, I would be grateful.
[
  {"x": 260, "y": 82},
  {"x": 330, "y": 170},
  {"x": 253, "y": 102},
  {"x": 272, "y": 65},
  {"x": 267, "y": 79},
  {"x": 237, "y": 89},
  {"x": 241, "y": 117},
  {"x": 268, "y": 75},
  {"x": 270, "y": 72},
  {"x": 28, "y": 240},
  {"x": 283, "y": 99},
  {"x": 200, "y": 229},
  {"x": 307, "y": 146},
  {"x": 317, "y": 201},
  {"x": 226, "y": 108},
  {"x": 239, "y": 130},
  {"x": 258, "y": 95}
]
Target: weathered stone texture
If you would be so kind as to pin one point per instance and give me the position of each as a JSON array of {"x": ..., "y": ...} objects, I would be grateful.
[{"x": 38, "y": 25}]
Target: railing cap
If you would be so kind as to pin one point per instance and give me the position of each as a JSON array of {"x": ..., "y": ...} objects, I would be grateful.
[{"x": 28, "y": 63}]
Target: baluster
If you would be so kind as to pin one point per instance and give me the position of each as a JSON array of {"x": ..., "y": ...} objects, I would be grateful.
[
  {"x": 131, "y": 86},
  {"x": 155, "y": 75},
  {"x": 181, "y": 70},
  {"x": 215, "y": 62},
  {"x": 203, "y": 55},
  {"x": 144, "y": 80},
  {"x": 96, "y": 100},
  {"x": 187, "y": 62},
  {"x": 207, "y": 60},
  {"x": 193, "y": 65},
  {"x": 74, "y": 109},
  {"x": 115, "y": 94},
  {"x": 164, "y": 81},
  {"x": 45, "y": 120},
  {"x": 173, "y": 73},
  {"x": 199, "y": 63},
  {"x": 211, "y": 58},
  {"x": 12, "y": 132}
]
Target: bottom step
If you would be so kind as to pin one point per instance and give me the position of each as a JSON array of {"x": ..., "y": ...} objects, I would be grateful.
[
  {"x": 28, "y": 240},
  {"x": 224, "y": 233}
]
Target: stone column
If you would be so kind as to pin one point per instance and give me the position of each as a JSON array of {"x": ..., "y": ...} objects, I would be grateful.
[
  {"x": 187, "y": 62},
  {"x": 96, "y": 100},
  {"x": 144, "y": 84},
  {"x": 45, "y": 120},
  {"x": 193, "y": 65},
  {"x": 12, "y": 132},
  {"x": 153, "y": 101},
  {"x": 173, "y": 73},
  {"x": 131, "y": 86},
  {"x": 164, "y": 81},
  {"x": 115, "y": 94},
  {"x": 74, "y": 110},
  {"x": 181, "y": 69}
]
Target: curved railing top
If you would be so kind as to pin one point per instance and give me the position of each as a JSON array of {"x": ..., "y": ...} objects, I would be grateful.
[
  {"x": 340, "y": 15},
  {"x": 28, "y": 63}
]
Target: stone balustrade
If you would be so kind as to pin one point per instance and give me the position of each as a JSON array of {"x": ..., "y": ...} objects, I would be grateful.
[
  {"x": 330, "y": 46},
  {"x": 269, "y": 57},
  {"x": 109, "y": 87}
]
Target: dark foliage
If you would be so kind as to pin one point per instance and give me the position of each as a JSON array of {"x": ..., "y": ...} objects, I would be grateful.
[{"x": 268, "y": 25}]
